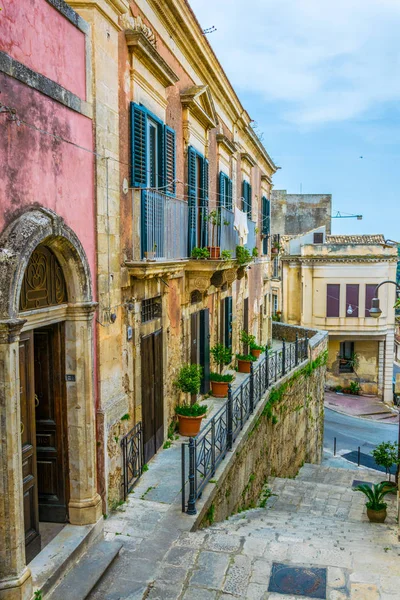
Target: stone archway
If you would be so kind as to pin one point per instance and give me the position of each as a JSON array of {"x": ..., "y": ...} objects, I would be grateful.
[{"x": 17, "y": 243}]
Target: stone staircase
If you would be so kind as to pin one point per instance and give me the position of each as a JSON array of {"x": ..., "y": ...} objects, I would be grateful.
[{"x": 314, "y": 521}]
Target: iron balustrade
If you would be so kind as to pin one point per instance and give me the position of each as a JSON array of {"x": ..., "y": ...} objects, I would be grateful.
[
  {"x": 164, "y": 226},
  {"x": 132, "y": 457},
  {"x": 229, "y": 237},
  {"x": 216, "y": 438}
]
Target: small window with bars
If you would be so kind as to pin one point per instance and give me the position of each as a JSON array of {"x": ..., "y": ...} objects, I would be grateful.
[
  {"x": 318, "y": 238},
  {"x": 151, "y": 309}
]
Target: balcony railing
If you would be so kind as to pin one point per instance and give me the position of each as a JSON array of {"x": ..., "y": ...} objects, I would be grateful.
[{"x": 164, "y": 226}]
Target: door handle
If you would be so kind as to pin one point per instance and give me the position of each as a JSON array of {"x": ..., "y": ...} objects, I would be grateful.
[
  {"x": 22, "y": 428},
  {"x": 36, "y": 401}
]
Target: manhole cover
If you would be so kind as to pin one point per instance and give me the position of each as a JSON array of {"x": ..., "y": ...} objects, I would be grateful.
[{"x": 302, "y": 581}]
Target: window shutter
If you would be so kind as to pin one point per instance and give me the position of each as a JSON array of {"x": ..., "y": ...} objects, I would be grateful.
[
  {"x": 244, "y": 196},
  {"x": 138, "y": 146},
  {"x": 204, "y": 202},
  {"x": 228, "y": 322},
  {"x": 352, "y": 299},
  {"x": 265, "y": 216},
  {"x": 249, "y": 201},
  {"x": 333, "y": 300},
  {"x": 170, "y": 161},
  {"x": 228, "y": 204},
  {"x": 161, "y": 157},
  {"x": 369, "y": 294},
  {"x": 222, "y": 189},
  {"x": 191, "y": 161}
]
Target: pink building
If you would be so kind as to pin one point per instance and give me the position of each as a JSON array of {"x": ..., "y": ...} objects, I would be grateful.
[{"x": 47, "y": 286}]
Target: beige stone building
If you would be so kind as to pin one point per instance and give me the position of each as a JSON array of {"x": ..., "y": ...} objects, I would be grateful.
[
  {"x": 183, "y": 167},
  {"x": 328, "y": 282}
]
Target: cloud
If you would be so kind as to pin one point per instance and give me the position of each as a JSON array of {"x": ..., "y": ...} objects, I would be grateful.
[{"x": 320, "y": 61}]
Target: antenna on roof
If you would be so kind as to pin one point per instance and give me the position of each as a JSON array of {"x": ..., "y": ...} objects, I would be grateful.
[{"x": 209, "y": 30}]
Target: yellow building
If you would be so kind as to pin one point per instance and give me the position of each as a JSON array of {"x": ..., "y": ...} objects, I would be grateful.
[{"x": 328, "y": 282}]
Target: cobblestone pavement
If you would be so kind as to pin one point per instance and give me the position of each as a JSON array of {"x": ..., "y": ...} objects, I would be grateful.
[{"x": 314, "y": 520}]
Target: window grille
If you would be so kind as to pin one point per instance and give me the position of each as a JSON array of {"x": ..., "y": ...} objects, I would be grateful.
[{"x": 151, "y": 309}]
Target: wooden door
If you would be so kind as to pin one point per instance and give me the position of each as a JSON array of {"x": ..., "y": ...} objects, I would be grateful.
[
  {"x": 51, "y": 446},
  {"x": 28, "y": 442},
  {"x": 152, "y": 393}
]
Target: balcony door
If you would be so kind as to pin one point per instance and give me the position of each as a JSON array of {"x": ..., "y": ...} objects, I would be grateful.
[{"x": 152, "y": 393}]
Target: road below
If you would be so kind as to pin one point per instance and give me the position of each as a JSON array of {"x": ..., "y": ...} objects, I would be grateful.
[{"x": 351, "y": 432}]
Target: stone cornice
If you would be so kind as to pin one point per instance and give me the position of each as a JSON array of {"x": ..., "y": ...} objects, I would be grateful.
[
  {"x": 140, "y": 45},
  {"x": 308, "y": 260},
  {"x": 190, "y": 99},
  {"x": 229, "y": 146},
  {"x": 245, "y": 156},
  {"x": 111, "y": 9},
  {"x": 157, "y": 269},
  {"x": 182, "y": 25}
]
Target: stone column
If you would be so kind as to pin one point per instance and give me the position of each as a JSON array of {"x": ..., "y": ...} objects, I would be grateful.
[
  {"x": 85, "y": 502},
  {"x": 15, "y": 577}
]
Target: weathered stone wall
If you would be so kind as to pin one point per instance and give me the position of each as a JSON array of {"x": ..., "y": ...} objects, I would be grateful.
[
  {"x": 285, "y": 432},
  {"x": 292, "y": 214}
]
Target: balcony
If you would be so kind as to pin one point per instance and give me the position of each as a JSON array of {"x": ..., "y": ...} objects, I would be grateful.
[{"x": 164, "y": 227}]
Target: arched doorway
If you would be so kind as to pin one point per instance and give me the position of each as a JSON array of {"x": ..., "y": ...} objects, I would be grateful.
[
  {"x": 44, "y": 438},
  {"x": 47, "y": 408}
]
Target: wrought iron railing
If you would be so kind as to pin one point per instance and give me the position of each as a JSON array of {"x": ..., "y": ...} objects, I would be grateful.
[
  {"x": 164, "y": 226},
  {"x": 229, "y": 238},
  {"x": 132, "y": 457},
  {"x": 209, "y": 447}
]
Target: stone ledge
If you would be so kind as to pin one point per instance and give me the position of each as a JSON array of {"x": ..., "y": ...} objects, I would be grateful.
[{"x": 142, "y": 269}]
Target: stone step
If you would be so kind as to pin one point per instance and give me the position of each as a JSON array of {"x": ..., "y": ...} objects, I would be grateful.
[{"x": 82, "y": 578}]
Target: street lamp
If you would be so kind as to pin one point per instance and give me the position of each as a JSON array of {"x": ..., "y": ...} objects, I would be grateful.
[{"x": 375, "y": 310}]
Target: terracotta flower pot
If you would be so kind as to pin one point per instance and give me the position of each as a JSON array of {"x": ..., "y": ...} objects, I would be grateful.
[
  {"x": 215, "y": 251},
  {"x": 189, "y": 426},
  {"x": 376, "y": 516},
  {"x": 255, "y": 352},
  {"x": 244, "y": 366},
  {"x": 219, "y": 389},
  {"x": 274, "y": 250}
]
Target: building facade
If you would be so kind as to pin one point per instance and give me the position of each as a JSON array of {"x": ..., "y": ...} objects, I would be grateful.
[
  {"x": 48, "y": 475},
  {"x": 329, "y": 284},
  {"x": 293, "y": 214}
]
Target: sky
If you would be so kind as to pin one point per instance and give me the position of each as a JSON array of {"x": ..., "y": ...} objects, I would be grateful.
[{"x": 321, "y": 80}]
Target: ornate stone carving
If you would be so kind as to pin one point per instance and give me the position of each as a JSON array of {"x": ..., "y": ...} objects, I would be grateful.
[
  {"x": 132, "y": 24},
  {"x": 230, "y": 276}
]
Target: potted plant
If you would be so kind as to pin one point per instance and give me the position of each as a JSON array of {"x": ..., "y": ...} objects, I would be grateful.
[
  {"x": 226, "y": 254},
  {"x": 200, "y": 253},
  {"x": 214, "y": 218},
  {"x": 151, "y": 256},
  {"x": 243, "y": 255},
  {"x": 220, "y": 383},
  {"x": 247, "y": 339},
  {"x": 244, "y": 361},
  {"x": 354, "y": 388},
  {"x": 190, "y": 416},
  {"x": 256, "y": 349},
  {"x": 276, "y": 247},
  {"x": 376, "y": 507},
  {"x": 254, "y": 252},
  {"x": 386, "y": 454}
]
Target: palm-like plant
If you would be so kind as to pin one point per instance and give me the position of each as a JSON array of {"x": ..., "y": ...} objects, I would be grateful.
[{"x": 374, "y": 494}]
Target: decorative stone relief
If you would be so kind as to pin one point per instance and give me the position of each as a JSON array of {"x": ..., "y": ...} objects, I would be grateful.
[{"x": 135, "y": 24}]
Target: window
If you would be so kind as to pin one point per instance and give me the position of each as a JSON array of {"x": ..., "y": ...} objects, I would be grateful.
[
  {"x": 266, "y": 223},
  {"x": 246, "y": 201},
  {"x": 369, "y": 294},
  {"x": 153, "y": 153},
  {"x": 225, "y": 191},
  {"x": 274, "y": 304},
  {"x": 265, "y": 304},
  {"x": 346, "y": 356},
  {"x": 226, "y": 322},
  {"x": 333, "y": 300},
  {"x": 275, "y": 267},
  {"x": 352, "y": 293},
  {"x": 318, "y": 238},
  {"x": 151, "y": 309},
  {"x": 197, "y": 199}
]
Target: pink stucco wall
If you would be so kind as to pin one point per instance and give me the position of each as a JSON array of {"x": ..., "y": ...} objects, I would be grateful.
[
  {"x": 39, "y": 36},
  {"x": 38, "y": 169}
]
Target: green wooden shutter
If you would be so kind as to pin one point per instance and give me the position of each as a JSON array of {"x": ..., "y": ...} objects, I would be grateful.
[
  {"x": 191, "y": 161},
  {"x": 249, "y": 201},
  {"x": 228, "y": 203},
  {"x": 138, "y": 146},
  {"x": 170, "y": 161},
  {"x": 265, "y": 223},
  {"x": 222, "y": 189},
  {"x": 204, "y": 203},
  {"x": 161, "y": 157},
  {"x": 246, "y": 193},
  {"x": 228, "y": 322}
]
